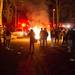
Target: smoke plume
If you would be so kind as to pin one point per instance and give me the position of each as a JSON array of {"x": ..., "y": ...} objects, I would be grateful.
[{"x": 37, "y": 12}]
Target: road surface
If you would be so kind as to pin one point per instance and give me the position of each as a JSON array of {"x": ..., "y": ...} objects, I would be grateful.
[{"x": 44, "y": 61}]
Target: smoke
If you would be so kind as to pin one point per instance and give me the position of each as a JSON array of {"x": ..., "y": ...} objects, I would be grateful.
[{"x": 37, "y": 12}]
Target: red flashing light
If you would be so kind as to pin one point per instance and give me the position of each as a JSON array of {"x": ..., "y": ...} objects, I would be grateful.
[{"x": 24, "y": 24}]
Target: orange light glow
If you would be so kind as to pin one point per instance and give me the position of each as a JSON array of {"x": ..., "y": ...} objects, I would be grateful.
[
  {"x": 37, "y": 33},
  {"x": 23, "y": 24},
  {"x": 21, "y": 33}
]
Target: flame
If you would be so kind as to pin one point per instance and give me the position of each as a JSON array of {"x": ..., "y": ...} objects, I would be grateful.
[
  {"x": 49, "y": 36},
  {"x": 37, "y": 32}
]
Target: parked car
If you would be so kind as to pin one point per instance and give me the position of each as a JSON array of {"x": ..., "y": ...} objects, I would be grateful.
[{"x": 17, "y": 34}]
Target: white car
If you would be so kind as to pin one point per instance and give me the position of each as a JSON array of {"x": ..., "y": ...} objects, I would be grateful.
[{"x": 17, "y": 34}]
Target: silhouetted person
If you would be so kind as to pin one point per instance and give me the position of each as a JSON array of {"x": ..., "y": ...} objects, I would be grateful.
[
  {"x": 57, "y": 32},
  {"x": 32, "y": 39},
  {"x": 65, "y": 37},
  {"x": 41, "y": 37},
  {"x": 45, "y": 37},
  {"x": 8, "y": 37},
  {"x": 4, "y": 37},
  {"x": 72, "y": 38},
  {"x": 52, "y": 36}
]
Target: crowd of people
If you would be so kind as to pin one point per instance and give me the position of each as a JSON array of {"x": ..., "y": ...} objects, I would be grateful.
[
  {"x": 43, "y": 38},
  {"x": 66, "y": 35},
  {"x": 57, "y": 35}
]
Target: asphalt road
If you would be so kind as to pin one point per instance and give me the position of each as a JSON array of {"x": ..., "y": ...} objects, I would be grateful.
[{"x": 43, "y": 61}]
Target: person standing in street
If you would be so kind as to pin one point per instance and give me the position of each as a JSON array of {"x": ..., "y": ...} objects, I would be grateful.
[
  {"x": 41, "y": 37},
  {"x": 4, "y": 37},
  {"x": 52, "y": 37},
  {"x": 71, "y": 39},
  {"x": 57, "y": 33},
  {"x": 8, "y": 37},
  {"x": 45, "y": 37},
  {"x": 32, "y": 40}
]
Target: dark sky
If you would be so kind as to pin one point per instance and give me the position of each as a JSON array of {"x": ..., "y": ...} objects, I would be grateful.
[
  {"x": 41, "y": 10},
  {"x": 38, "y": 11},
  {"x": 67, "y": 11},
  {"x": 35, "y": 10},
  {"x": 66, "y": 7}
]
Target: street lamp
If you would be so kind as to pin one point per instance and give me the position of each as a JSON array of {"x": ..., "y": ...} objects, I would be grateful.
[
  {"x": 53, "y": 17},
  {"x": 57, "y": 12}
]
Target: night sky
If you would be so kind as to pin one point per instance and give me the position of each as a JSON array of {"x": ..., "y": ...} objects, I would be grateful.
[
  {"x": 40, "y": 11},
  {"x": 66, "y": 7},
  {"x": 67, "y": 11}
]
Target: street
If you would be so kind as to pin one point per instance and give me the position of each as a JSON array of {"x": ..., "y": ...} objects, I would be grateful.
[
  {"x": 44, "y": 61},
  {"x": 22, "y": 22}
]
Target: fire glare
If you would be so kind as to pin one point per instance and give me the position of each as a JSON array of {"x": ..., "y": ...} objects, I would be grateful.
[{"x": 37, "y": 33}]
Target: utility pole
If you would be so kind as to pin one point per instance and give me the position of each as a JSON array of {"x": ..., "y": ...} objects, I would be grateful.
[{"x": 57, "y": 12}]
